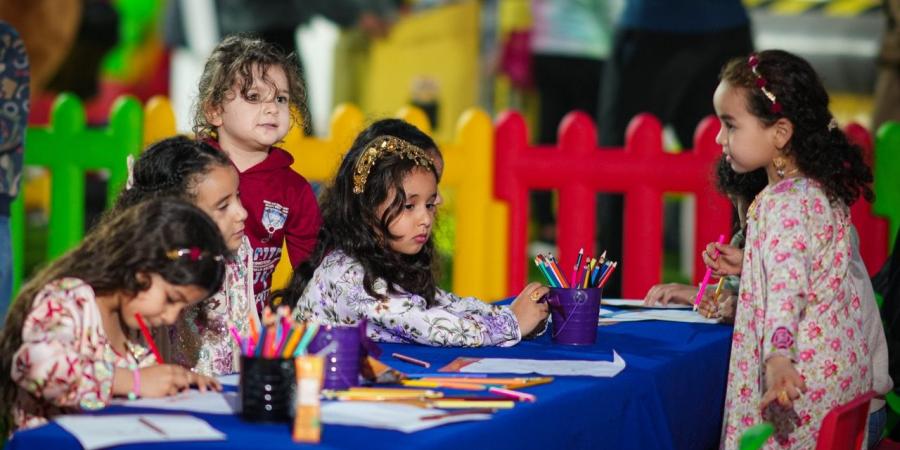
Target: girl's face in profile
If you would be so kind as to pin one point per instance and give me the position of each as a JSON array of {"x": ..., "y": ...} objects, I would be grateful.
[
  {"x": 412, "y": 228},
  {"x": 161, "y": 303},
  {"x": 746, "y": 142},
  {"x": 217, "y": 195}
]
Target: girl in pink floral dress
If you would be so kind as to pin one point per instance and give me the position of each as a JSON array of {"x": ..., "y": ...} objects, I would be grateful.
[
  {"x": 192, "y": 170},
  {"x": 66, "y": 344},
  {"x": 799, "y": 347}
]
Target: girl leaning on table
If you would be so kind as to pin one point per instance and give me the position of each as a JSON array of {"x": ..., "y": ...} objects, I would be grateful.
[
  {"x": 66, "y": 346},
  {"x": 800, "y": 344},
  {"x": 198, "y": 173},
  {"x": 740, "y": 188},
  {"x": 374, "y": 257}
]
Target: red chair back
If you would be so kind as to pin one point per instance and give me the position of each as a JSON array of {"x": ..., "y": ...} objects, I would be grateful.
[{"x": 844, "y": 427}]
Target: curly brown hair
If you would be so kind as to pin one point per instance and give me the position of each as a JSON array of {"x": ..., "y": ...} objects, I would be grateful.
[
  {"x": 232, "y": 63},
  {"x": 821, "y": 151}
]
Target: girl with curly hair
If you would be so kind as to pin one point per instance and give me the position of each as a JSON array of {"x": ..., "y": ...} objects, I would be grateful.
[{"x": 800, "y": 345}]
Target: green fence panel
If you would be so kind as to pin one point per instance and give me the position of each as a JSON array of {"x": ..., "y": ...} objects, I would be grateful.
[
  {"x": 68, "y": 149},
  {"x": 887, "y": 176}
]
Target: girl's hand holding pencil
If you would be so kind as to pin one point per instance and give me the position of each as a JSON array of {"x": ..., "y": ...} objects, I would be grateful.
[{"x": 728, "y": 261}]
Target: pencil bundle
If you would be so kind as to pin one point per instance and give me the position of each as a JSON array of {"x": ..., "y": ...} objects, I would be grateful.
[
  {"x": 277, "y": 336},
  {"x": 587, "y": 272}
]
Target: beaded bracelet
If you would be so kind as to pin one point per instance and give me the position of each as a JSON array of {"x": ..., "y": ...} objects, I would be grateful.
[{"x": 136, "y": 383}]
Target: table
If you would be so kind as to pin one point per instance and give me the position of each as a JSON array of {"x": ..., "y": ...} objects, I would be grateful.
[{"x": 670, "y": 396}]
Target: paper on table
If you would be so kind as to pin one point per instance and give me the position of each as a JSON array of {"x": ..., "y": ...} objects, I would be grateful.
[
  {"x": 94, "y": 432},
  {"x": 670, "y": 315},
  {"x": 548, "y": 367},
  {"x": 235, "y": 378},
  {"x": 639, "y": 303},
  {"x": 389, "y": 416},
  {"x": 192, "y": 401}
]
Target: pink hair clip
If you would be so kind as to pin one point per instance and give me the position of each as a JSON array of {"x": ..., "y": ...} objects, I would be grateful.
[{"x": 753, "y": 62}]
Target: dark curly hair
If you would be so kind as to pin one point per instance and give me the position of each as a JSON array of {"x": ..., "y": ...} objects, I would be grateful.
[
  {"x": 171, "y": 167},
  {"x": 351, "y": 224},
  {"x": 109, "y": 259},
  {"x": 821, "y": 152},
  {"x": 233, "y": 62},
  {"x": 742, "y": 185}
]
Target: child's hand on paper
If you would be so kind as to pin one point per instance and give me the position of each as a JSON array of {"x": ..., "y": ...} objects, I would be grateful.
[
  {"x": 528, "y": 308},
  {"x": 168, "y": 379},
  {"x": 728, "y": 262},
  {"x": 783, "y": 383},
  {"x": 723, "y": 309},
  {"x": 671, "y": 292}
]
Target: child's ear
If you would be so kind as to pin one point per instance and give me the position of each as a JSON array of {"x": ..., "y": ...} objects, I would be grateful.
[
  {"x": 143, "y": 279},
  {"x": 784, "y": 130},
  {"x": 213, "y": 115}
]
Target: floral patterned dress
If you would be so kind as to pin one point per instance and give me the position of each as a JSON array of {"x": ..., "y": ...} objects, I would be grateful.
[
  {"x": 335, "y": 295},
  {"x": 65, "y": 363},
  {"x": 201, "y": 339},
  {"x": 796, "y": 300}
]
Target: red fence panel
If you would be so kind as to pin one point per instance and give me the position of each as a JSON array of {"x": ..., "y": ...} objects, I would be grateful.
[
  {"x": 874, "y": 233},
  {"x": 579, "y": 170}
]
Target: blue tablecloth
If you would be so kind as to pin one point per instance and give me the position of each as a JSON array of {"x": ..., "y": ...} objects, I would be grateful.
[{"x": 670, "y": 396}]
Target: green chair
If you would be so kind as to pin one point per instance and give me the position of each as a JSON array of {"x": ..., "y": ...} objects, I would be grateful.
[
  {"x": 68, "y": 149},
  {"x": 756, "y": 436}
]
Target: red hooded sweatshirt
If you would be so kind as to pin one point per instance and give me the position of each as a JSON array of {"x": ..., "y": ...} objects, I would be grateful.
[{"x": 281, "y": 206}]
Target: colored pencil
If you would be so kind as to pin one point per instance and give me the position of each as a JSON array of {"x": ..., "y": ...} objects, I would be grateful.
[
  {"x": 148, "y": 337},
  {"x": 411, "y": 360},
  {"x": 708, "y": 274}
]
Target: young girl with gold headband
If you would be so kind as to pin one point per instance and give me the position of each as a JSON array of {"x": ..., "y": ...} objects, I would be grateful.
[{"x": 374, "y": 255}]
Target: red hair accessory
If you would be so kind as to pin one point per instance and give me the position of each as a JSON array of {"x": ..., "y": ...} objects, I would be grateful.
[{"x": 753, "y": 62}]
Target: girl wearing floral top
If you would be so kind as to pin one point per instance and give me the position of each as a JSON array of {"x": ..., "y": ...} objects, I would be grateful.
[
  {"x": 373, "y": 259},
  {"x": 66, "y": 345},
  {"x": 194, "y": 171},
  {"x": 799, "y": 346}
]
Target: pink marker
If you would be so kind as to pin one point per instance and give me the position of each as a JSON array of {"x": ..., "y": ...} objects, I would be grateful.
[
  {"x": 708, "y": 275},
  {"x": 520, "y": 396}
]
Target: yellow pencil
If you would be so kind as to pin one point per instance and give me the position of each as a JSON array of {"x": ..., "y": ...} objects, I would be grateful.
[
  {"x": 444, "y": 384},
  {"x": 718, "y": 290},
  {"x": 292, "y": 341}
]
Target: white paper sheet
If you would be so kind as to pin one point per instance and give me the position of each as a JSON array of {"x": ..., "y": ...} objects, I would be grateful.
[
  {"x": 95, "y": 432},
  {"x": 389, "y": 416},
  {"x": 192, "y": 401},
  {"x": 639, "y": 303},
  {"x": 670, "y": 315},
  {"x": 605, "y": 369},
  {"x": 230, "y": 380}
]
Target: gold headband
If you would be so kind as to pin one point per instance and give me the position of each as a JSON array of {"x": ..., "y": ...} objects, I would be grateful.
[{"x": 379, "y": 147}]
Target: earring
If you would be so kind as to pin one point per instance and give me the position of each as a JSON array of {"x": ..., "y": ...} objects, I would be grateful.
[{"x": 779, "y": 164}]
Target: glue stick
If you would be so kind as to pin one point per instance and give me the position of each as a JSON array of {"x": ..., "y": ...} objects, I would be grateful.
[{"x": 307, "y": 426}]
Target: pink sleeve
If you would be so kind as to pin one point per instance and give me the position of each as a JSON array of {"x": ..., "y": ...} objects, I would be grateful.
[
  {"x": 786, "y": 259},
  {"x": 54, "y": 363}
]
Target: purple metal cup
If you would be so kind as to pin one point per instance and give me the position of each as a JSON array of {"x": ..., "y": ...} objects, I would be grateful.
[
  {"x": 574, "y": 315},
  {"x": 341, "y": 365}
]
